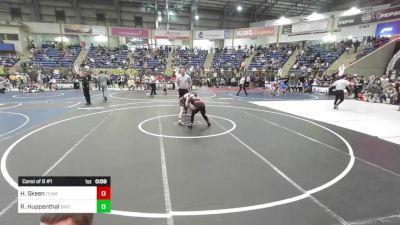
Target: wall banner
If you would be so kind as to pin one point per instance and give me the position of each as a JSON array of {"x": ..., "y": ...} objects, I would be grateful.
[
  {"x": 172, "y": 34},
  {"x": 370, "y": 17},
  {"x": 254, "y": 32},
  {"x": 130, "y": 32},
  {"x": 77, "y": 29},
  {"x": 209, "y": 34}
]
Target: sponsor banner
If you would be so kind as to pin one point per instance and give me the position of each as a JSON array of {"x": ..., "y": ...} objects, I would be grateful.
[
  {"x": 77, "y": 29},
  {"x": 99, "y": 30},
  {"x": 254, "y": 32},
  {"x": 307, "y": 26},
  {"x": 287, "y": 29},
  {"x": 228, "y": 33},
  {"x": 388, "y": 29},
  {"x": 349, "y": 21},
  {"x": 172, "y": 34},
  {"x": 320, "y": 89},
  {"x": 370, "y": 17},
  {"x": 209, "y": 34},
  {"x": 130, "y": 32}
]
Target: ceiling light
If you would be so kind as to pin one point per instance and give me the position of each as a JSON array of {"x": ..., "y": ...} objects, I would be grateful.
[
  {"x": 196, "y": 17},
  {"x": 283, "y": 21},
  {"x": 239, "y": 8},
  {"x": 159, "y": 19},
  {"x": 352, "y": 11},
  {"x": 315, "y": 16}
]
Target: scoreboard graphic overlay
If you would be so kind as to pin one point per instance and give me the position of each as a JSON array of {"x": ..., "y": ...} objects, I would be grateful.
[{"x": 64, "y": 194}]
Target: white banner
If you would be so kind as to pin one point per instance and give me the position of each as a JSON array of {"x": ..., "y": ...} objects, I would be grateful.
[
  {"x": 320, "y": 25},
  {"x": 172, "y": 34},
  {"x": 99, "y": 30},
  {"x": 209, "y": 34}
]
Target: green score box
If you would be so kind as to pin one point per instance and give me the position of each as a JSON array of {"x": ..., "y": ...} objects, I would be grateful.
[{"x": 103, "y": 206}]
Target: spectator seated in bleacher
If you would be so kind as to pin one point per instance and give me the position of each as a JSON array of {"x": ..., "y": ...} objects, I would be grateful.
[
  {"x": 189, "y": 57},
  {"x": 52, "y": 56},
  {"x": 228, "y": 59},
  {"x": 317, "y": 59},
  {"x": 8, "y": 60},
  {"x": 269, "y": 58},
  {"x": 103, "y": 57},
  {"x": 373, "y": 44},
  {"x": 151, "y": 60}
]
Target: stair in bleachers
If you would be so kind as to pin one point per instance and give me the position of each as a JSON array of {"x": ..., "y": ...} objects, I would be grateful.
[
  {"x": 289, "y": 63},
  {"x": 353, "y": 57},
  {"x": 374, "y": 63},
  {"x": 17, "y": 66},
  {"x": 248, "y": 60},
  {"x": 82, "y": 55},
  {"x": 208, "y": 62},
  {"x": 131, "y": 59},
  {"x": 169, "y": 71},
  {"x": 346, "y": 58}
]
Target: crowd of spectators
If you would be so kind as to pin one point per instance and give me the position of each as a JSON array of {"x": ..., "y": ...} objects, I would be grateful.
[
  {"x": 103, "y": 57},
  {"x": 151, "y": 60},
  {"x": 54, "y": 55},
  {"x": 316, "y": 58},
  {"x": 373, "y": 43},
  {"x": 228, "y": 59},
  {"x": 192, "y": 57},
  {"x": 376, "y": 89},
  {"x": 270, "y": 58},
  {"x": 373, "y": 89},
  {"x": 8, "y": 60}
]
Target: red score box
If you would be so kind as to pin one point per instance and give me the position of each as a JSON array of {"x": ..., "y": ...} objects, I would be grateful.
[{"x": 103, "y": 193}]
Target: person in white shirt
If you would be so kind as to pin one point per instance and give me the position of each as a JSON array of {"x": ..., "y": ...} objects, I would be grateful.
[
  {"x": 340, "y": 85},
  {"x": 242, "y": 85}
]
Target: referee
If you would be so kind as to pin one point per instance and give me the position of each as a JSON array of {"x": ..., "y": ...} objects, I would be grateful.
[
  {"x": 340, "y": 86},
  {"x": 184, "y": 82},
  {"x": 86, "y": 87}
]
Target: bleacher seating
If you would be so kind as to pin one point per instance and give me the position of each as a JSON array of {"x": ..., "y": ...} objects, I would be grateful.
[
  {"x": 372, "y": 46},
  {"x": 8, "y": 60},
  {"x": 226, "y": 60},
  {"x": 50, "y": 57},
  {"x": 139, "y": 57},
  {"x": 190, "y": 57},
  {"x": 317, "y": 58},
  {"x": 269, "y": 59},
  {"x": 103, "y": 57},
  {"x": 150, "y": 59}
]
